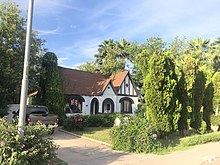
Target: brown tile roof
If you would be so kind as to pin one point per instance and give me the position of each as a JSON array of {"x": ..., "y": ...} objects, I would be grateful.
[
  {"x": 118, "y": 78},
  {"x": 88, "y": 84}
]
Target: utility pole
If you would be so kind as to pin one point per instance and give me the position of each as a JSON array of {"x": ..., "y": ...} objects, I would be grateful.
[{"x": 24, "y": 87}]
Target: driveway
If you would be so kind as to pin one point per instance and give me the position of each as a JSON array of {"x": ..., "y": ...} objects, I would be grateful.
[{"x": 79, "y": 151}]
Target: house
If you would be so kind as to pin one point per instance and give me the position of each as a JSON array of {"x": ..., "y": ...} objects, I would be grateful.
[{"x": 92, "y": 93}]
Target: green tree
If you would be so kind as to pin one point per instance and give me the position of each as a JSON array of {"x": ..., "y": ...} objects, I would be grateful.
[
  {"x": 12, "y": 40},
  {"x": 216, "y": 63},
  {"x": 88, "y": 66},
  {"x": 112, "y": 56},
  {"x": 141, "y": 56},
  {"x": 207, "y": 104},
  {"x": 197, "y": 96},
  {"x": 51, "y": 90},
  {"x": 160, "y": 93},
  {"x": 216, "y": 86},
  {"x": 183, "y": 99}
]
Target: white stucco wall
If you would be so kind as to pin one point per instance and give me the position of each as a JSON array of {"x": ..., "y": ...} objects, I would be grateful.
[{"x": 108, "y": 93}]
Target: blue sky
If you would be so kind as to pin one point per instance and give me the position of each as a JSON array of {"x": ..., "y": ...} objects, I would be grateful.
[{"x": 73, "y": 29}]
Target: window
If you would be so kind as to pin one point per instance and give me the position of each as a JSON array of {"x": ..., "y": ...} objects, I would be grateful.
[{"x": 76, "y": 105}]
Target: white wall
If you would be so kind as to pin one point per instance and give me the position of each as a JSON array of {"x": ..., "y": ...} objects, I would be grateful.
[
  {"x": 128, "y": 90},
  {"x": 108, "y": 93}
]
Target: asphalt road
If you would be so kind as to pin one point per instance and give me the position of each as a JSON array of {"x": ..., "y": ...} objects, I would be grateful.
[{"x": 79, "y": 151}]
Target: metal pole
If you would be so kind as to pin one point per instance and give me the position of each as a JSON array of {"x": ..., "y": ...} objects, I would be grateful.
[{"x": 24, "y": 87}]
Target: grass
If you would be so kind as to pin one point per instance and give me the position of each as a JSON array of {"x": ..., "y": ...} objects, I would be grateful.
[
  {"x": 97, "y": 133},
  {"x": 174, "y": 142},
  {"x": 178, "y": 143}
]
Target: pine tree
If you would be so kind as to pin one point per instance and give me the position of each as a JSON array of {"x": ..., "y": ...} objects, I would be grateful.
[
  {"x": 160, "y": 93},
  {"x": 183, "y": 99},
  {"x": 197, "y": 96},
  {"x": 216, "y": 86},
  {"x": 51, "y": 91},
  {"x": 207, "y": 104}
]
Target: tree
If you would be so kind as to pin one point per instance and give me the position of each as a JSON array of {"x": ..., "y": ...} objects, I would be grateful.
[
  {"x": 142, "y": 54},
  {"x": 160, "y": 86},
  {"x": 112, "y": 56},
  {"x": 88, "y": 66},
  {"x": 207, "y": 104},
  {"x": 197, "y": 96},
  {"x": 12, "y": 40},
  {"x": 216, "y": 63},
  {"x": 51, "y": 90},
  {"x": 216, "y": 96},
  {"x": 183, "y": 99}
]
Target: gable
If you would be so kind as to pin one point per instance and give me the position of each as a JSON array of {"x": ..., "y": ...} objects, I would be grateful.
[
  {"x": 127, "y": 87},
  {"x": 109, "y": 90}
]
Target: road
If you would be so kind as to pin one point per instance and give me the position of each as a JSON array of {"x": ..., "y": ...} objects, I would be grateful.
[{"x": 79, "y": 151}]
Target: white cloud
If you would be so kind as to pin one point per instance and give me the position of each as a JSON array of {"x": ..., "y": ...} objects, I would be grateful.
[
  {"x": 48, "y": 7},
  {"x": 62, "y": 60},
  {"x": 49, "y": 32},
  {"x": 77, "y": 53}
]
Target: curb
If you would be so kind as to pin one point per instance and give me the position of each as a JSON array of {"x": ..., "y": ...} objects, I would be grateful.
[{"x": 70, "y": 133}]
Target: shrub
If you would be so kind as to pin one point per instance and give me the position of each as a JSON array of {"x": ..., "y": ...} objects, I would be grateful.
[
  {"x": 135, "y": 134},
  {"x": 74, "y": 123},
  {"x": 203, "y": 128},
  {"x": 215, "y": 119},
  {"x": 200, "y": 139},
  {"x": 99, "y": 120},
  {"x": 33, "y": 149}
]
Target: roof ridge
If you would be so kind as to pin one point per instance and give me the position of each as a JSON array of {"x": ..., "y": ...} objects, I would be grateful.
[{"x": 79, "y": 70}]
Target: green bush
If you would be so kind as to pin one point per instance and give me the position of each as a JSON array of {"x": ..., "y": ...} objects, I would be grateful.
[
  {"x": 100, "y": 120},
  {"x": 203, "y": 128},
  {"x": 215, "y": 119},
  {"x": 135, "y": 134},
  {"x": 35, "y": 148},
  {"x": 74, "y": 123},
  {"x": 200, "y": 139}
]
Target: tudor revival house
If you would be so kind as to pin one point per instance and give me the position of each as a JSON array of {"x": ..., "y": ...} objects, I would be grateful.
[{"x": 92, "y": 93}]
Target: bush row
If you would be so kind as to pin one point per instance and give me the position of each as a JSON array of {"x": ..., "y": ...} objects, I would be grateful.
[
  {"x": 35, "y": 148},
  {"x": 79, "y": 122},
  {"x": 100, "y": 120},
  {"x": 200, "y": 139}
]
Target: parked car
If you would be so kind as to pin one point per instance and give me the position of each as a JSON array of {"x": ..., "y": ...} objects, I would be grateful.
[{"x": 36, "y": 113}]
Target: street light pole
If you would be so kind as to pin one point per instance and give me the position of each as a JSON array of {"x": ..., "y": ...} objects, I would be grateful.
[{"x": 24, "y": 87}]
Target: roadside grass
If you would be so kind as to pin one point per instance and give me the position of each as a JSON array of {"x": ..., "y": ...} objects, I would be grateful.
[
  {"x": 97, "y": 133},
  {"x": 174, "y": 142},
  {"x": 178, "y": 143}
]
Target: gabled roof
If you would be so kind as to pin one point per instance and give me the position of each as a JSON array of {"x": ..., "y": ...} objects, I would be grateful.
[
  {"x": 79, "y": 82},
  {"x": 118, "y": 79}
]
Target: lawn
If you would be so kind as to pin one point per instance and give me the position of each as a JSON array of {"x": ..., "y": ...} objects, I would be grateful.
[
  {"x": 174, "y": 142},
  {"x": 97, "y": 133}
]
